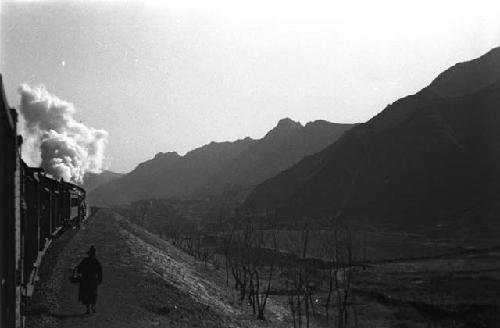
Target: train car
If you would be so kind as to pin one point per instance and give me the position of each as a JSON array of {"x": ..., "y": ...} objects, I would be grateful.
[
  {"x": 9, "y": 215},
  {"x": 46, "y": 209},
  {"x": 35, "y": 209}
]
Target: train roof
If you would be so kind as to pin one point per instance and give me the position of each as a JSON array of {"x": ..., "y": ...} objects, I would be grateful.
[{"x": 40, "y": 174}]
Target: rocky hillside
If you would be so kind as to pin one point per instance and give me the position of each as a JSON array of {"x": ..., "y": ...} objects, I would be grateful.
[{"x": 428, "y": 160}]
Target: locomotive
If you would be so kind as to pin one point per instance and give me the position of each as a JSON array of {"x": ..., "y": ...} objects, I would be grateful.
[{"x": 34, "y": 210}]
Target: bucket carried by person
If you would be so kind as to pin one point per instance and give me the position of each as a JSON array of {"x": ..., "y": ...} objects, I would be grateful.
[{"x": 76, "y": 277}]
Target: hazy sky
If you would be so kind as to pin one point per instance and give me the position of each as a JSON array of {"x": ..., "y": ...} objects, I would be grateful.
[{"x": 174, "y": 75}]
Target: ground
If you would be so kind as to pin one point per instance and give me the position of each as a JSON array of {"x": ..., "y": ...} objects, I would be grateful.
[
  {"x": 150, "y": 283},
  {"x": 147, "y": 283}
]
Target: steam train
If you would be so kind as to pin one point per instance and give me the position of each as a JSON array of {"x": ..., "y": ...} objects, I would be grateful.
[{"x": 34, "y": 210}]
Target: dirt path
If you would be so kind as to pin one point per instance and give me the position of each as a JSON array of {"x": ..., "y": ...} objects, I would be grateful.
[{"x": 147, "y": 282}]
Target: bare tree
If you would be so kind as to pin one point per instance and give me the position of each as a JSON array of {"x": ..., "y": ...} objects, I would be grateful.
[
  {"x": 261, "y": 269},
  {"x": 297, "y": 276},
  {"x": 250, "y": 254}
]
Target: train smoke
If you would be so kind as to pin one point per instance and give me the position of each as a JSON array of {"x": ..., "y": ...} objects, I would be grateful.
[{"x": 63, "y": 147}]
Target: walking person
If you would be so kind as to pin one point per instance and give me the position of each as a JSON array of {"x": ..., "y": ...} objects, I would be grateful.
[{"x": 91, "y": 276}]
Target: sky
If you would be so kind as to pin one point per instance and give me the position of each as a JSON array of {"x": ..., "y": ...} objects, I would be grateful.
[{"x": 174, "y": 75}]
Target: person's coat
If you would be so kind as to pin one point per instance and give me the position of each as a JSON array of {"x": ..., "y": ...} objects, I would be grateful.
[{"x": 91, "y": 276}]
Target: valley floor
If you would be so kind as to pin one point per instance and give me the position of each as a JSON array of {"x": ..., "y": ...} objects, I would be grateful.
[{"x": 150, "y": 283}]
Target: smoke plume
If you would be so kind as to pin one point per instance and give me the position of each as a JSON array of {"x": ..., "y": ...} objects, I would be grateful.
[{"x": 63, "y": 147}]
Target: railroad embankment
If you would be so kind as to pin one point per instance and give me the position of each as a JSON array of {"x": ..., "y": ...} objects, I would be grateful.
[{"x": 147, "y": 282}]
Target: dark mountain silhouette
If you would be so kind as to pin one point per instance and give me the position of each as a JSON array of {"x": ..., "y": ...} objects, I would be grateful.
[
  {"x": 278, "y": 150},
  {"x": 168, "y": 174},
  {"x": 468, "y": 77},
  {"x": 220, "y": 167},
  {"x": 94, "y": 180},
  {"x": 427, "y": 160}
]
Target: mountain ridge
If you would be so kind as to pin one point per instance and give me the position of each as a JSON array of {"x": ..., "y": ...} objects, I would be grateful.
[{"x": 220, "y": 167}]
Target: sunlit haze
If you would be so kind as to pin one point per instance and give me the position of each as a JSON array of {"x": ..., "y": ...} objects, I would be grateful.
[{"x": 174, "y": 75}]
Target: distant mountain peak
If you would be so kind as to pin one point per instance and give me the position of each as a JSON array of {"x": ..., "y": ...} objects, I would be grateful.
[
  {"x": 285, "y": 127},
  {"x": 317, "y": 122},
  {"x": 167, "y": 155},
  {"x": 288, "y": 123}
]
